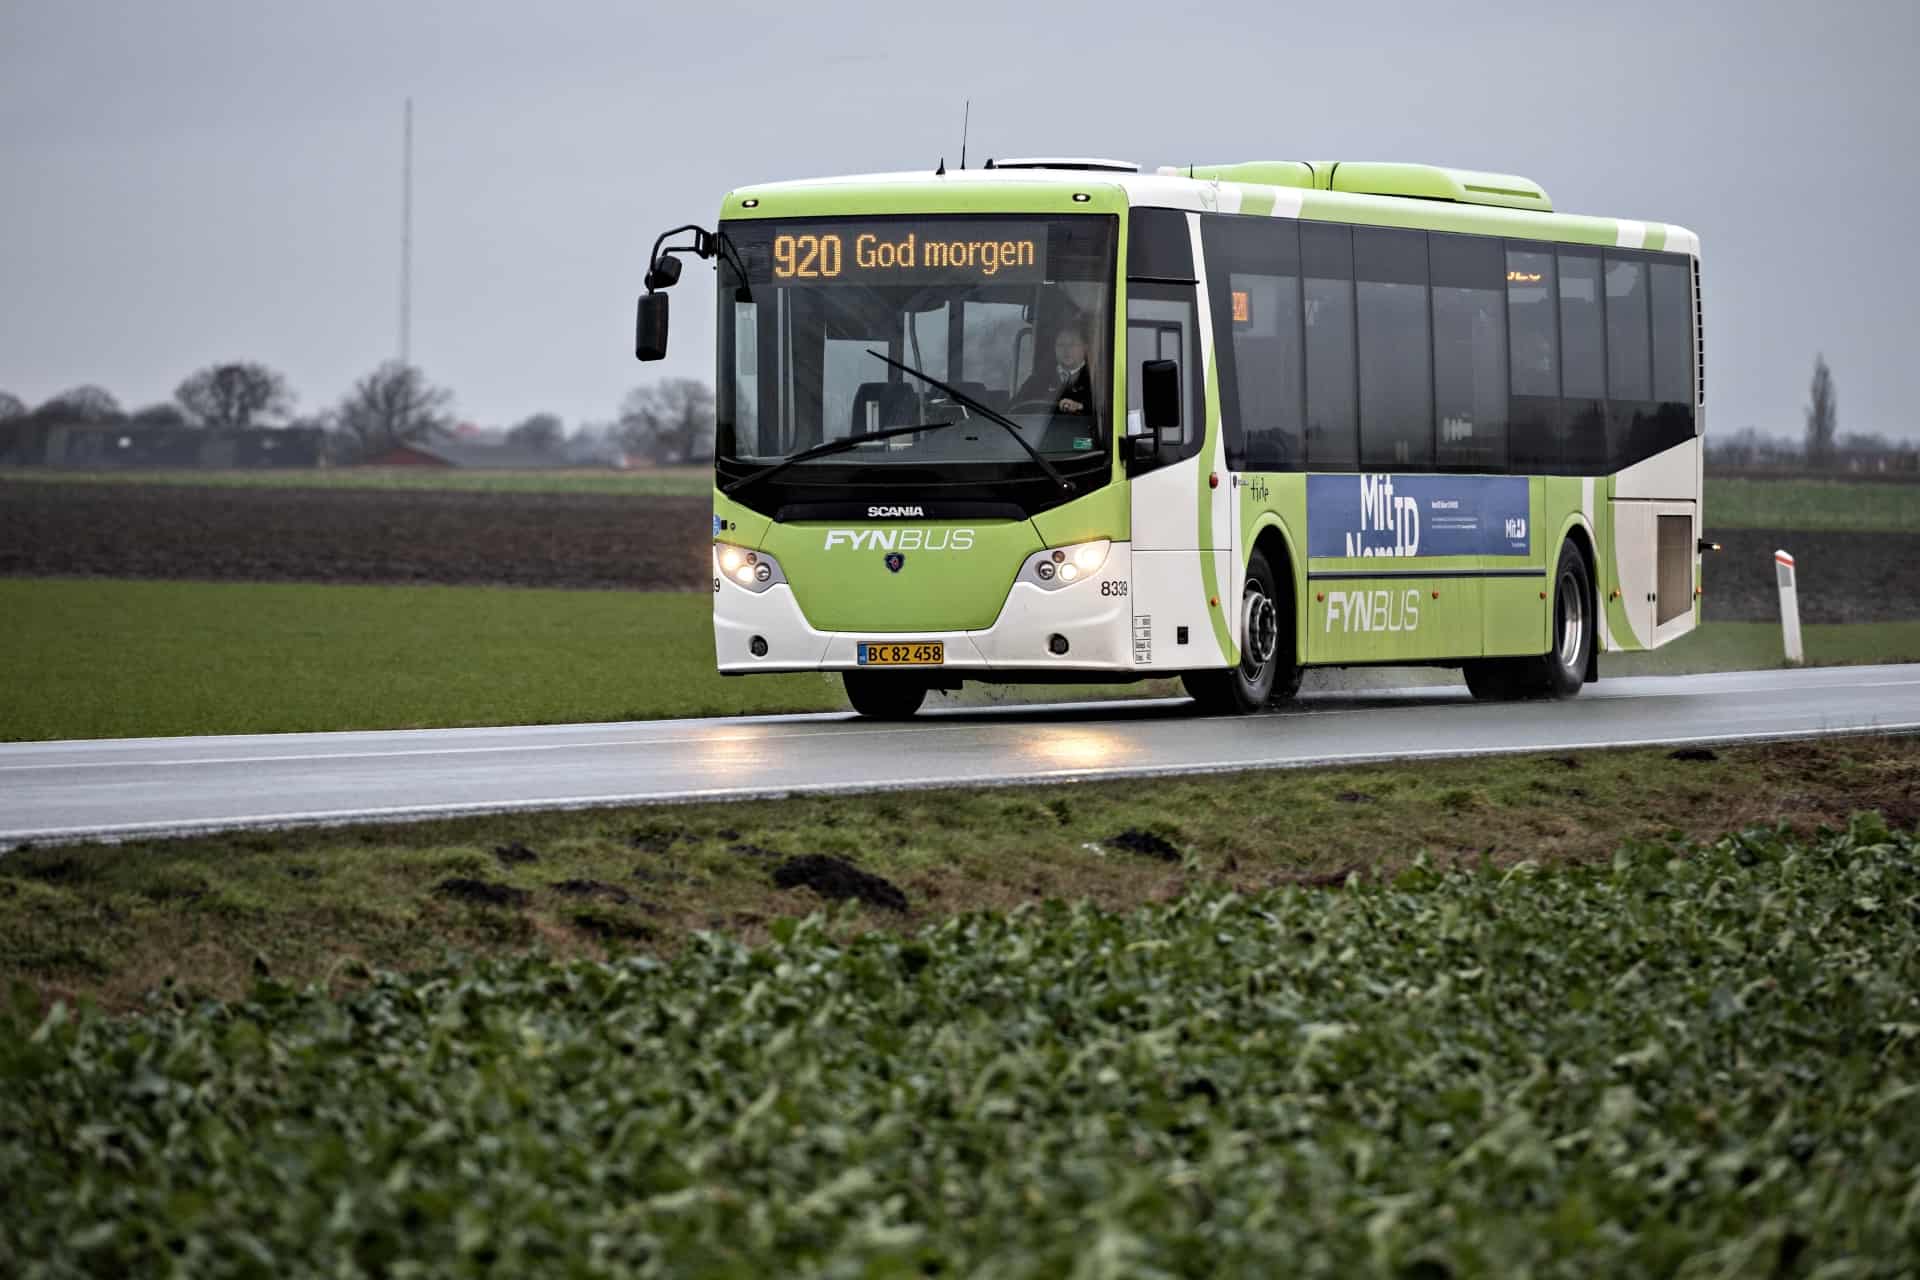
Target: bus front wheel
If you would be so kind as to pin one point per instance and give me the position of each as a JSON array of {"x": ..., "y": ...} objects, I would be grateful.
[
  {"x": 1266, "y": 671},
  {"x": 884, "y": 695}
]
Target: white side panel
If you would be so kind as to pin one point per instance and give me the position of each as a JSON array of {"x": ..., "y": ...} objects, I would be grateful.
[
  {"x": 1633, "y": 556},
  {"x": 1674, "y": 475},
  {"x": 1169, "y": 599},
  {"x": 1165, "y": 515}
]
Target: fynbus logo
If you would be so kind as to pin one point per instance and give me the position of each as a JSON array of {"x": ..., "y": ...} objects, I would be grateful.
[
  {"x": 1374, "y": 610},
  {"x": 901, "y": 539}
]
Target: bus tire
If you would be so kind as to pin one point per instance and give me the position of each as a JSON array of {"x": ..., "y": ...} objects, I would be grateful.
[
  {"x": 1493, "y": 679},
  {"x": 884, "y": 695},
  {"x": 1267, "y": 670},
  {"x": 1562, "y": 669}
]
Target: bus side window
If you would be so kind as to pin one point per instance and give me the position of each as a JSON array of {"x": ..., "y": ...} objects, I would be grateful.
[
  {"x": 1396, "y": 349},
  {"x": 1583, "y": 364},
  {"x": 1533, "y": 342},
  {"x": 1673, "y": 373},
  {"x": 1469, "y": 351},
  {"x": 1163, "y": 324},
  {"x": 1333, "y": 422}
]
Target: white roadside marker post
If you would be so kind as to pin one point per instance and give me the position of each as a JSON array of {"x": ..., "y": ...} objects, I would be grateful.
[{"x": 1789, "y": 607}]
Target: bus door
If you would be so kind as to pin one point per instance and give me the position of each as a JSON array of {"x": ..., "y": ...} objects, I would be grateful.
[{"x": 1172, "y": 622}]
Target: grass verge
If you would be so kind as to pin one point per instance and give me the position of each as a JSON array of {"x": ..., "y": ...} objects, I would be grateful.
[
  {"x": 114, "y": 922},
  {"x": 652, "y": 482},
  {"x": 1753, "y": 646},
  {"x": 1683, "y": 1059},
  {"x": 138, "y": 659},
  {"x": 1811, "y": 504},
  {"x": 105, "y": 658}
]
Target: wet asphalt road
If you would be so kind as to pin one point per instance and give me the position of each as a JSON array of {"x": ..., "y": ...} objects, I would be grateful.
[{"x": 119, "y": 788}]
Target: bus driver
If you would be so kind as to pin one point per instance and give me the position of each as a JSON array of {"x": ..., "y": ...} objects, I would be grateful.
[{"x": 1070, "y": 375}]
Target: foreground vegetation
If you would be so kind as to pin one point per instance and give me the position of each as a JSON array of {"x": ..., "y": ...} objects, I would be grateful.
[
  {"x": 110, "y": 923},
  {"x": 647, "y": 482},
  {"x": 1691, "y": 1058},
  {"x": 106, "y": 658}
]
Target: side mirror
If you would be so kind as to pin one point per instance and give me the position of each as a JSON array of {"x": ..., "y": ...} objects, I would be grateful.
[
  {"x": 1160, "y": 396},
  {"x": 1143, "y": 448},
  {"x": 650, "y": 328},
  {"x": 664, "y": 274}
]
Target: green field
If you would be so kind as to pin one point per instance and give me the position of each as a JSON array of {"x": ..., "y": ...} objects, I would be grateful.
[
  {"x": 106, "y": 658},
  {"x": 138, "y": 659},
  {"x": 1692, "y": 1059},
  {"x": 656, "y": 482},
  {"x": 1812, "y": 505},
  {"x": 1752, "y": 646}
]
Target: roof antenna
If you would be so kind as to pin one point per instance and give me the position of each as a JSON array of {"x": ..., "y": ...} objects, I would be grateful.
[
  {"x": 966, "y": 122},
  {"x": 941, "y": 172}
]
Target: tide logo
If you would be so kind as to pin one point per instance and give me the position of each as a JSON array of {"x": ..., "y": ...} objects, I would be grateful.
[
  {"x": 900, "y": 539},
  {"x": 1370, "y": 611}
]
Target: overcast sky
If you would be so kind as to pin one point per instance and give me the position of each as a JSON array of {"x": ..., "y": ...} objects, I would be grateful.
[{"x": 202, "y": 180}]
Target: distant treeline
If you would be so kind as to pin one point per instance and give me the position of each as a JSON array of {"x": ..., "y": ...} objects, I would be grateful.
[
  {"x": 1856, "y": 454},
  {"x": 241, "y": 414}
]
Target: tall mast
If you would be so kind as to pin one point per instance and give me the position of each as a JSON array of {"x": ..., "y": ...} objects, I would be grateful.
[{"x": 406, "y": 236}]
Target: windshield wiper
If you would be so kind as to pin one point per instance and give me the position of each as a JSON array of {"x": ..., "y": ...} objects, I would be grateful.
[
  {"x": 841, "y": 445},
  {"x": 992, "y": 415}
]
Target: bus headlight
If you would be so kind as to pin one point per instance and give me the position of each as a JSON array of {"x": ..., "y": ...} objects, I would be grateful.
[
  {"x": 1063, "y": 566},
  {"x": 744, "y": 567}
]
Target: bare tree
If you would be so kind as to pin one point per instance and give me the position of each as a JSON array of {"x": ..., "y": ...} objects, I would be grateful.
[
  {"x": 1822, "y": 419},
  {"x": 542, "y": 433},
  {"x": 87, "y": 403},
  {"x": 670, "y": 421},
  {"x": 236, "y": 395},
  {"x": 395, "y": 404},
  {"x": 11, "y": 406}
]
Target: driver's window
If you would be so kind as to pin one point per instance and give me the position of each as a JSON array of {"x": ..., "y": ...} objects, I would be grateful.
[{"x": 1161, "y": 328}]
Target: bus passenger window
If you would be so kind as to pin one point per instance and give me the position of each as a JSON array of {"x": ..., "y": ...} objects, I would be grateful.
[
  {"x": 1396, "y": 349},
  {"x": 1533, "y": 346},
  {"x": 1469, "y": 351},
  {"x": 1265, "y": 314},
  {"x": 1583, "y": 367},
  {"x": 1326, "y": 265}
]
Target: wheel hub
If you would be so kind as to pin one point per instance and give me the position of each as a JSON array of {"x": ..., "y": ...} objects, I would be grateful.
[
  {"x": 1260, "y": 624},
  {"x": 1571, "y": 610}
]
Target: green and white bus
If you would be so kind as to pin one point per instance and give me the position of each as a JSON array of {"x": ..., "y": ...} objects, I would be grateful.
[{"x": 1062, "y": 420}]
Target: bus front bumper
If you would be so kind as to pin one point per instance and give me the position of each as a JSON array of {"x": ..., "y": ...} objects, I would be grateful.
[{"x": 1097, "y": 630}]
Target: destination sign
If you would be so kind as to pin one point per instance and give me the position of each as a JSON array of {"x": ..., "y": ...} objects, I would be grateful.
[{"x": 904, "y": 251}]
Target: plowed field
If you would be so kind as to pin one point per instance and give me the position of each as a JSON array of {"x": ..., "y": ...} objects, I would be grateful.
[
  {"x": 361, "y": 536},
  {"x": 655, "y": 543}
]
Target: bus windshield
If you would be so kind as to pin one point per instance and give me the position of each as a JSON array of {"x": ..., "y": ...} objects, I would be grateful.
[{"x": 1014, "y": 312}]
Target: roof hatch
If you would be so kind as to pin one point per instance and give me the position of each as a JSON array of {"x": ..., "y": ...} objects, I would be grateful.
[
  {"x": 1375, "y": 178},
  {"x": 1086, "y": 163}
]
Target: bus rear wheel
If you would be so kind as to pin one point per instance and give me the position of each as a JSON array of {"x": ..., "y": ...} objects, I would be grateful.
[
  {"x": 1267, "y": 671},
  {"x": 1561, "y": 670},
  {"x": 883, "y": 695}
]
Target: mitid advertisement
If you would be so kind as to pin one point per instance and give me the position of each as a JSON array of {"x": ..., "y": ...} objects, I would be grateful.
[{"x": 1389, "y": 515}]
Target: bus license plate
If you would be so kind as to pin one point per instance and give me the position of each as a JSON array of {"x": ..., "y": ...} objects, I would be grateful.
[{"x": 928, "y": 653}]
